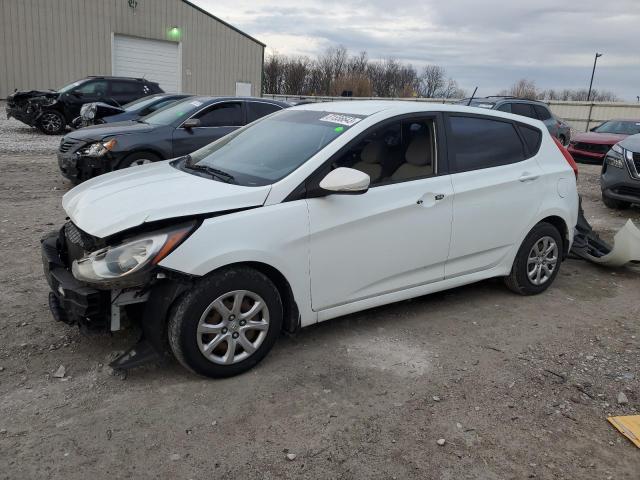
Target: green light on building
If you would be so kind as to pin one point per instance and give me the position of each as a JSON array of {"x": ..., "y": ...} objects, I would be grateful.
[{"x": 174, "y": 33}]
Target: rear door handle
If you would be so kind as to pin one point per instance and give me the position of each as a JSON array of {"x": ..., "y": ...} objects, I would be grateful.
[{"x": 528, "y": 177}]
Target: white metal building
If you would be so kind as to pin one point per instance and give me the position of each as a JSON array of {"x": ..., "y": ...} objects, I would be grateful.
[{"x": 49, "y": 43}]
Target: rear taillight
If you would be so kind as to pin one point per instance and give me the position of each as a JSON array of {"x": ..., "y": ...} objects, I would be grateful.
[{"x": 567, "y": 156}]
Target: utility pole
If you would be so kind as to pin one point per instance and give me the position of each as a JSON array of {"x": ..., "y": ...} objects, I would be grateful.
[{"x": 595, "y": 60}]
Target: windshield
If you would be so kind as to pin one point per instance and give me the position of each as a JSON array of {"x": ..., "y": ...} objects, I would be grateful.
[
  {"x": 273, "y": 147},
  {"x": 173, "y": 112},
  {"x": 619, "y": 126},
  {"x": 70, "y": 87},
  {"x": 141, "y": 102}
]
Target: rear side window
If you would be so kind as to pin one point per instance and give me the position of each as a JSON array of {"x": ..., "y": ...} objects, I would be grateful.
[
  {"x": 543, "y": 112},
  {"x": 524, "y": 109},
  {"x": 256, "y": 110},
  {"x": 532, "y": 137},
  {"x": 120, "y": 87},
  {"x": 478, "y": 143},
  {"x": 228, "y": 114}
]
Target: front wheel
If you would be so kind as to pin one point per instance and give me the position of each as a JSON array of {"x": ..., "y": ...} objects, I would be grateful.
[
  {"x": 138, "y": 158},
  {"x": 51, "y": 123},
  {"x": 537, "y": 261},
  {"x": 227, "y": 323}
]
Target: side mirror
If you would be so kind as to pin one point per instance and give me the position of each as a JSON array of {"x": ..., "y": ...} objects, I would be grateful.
[
  {"x": 346, "y": 180},
  {"x": 191, "y": 123}
]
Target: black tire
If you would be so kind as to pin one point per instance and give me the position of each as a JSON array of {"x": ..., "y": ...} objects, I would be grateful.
[
  {"x": 518, "y": 280},
  {"x": 614, "y": 204},
  {"x": 136, "y": 158},
  {"x": 52, "y": 123},
  {"x": 185, "y": 317}
]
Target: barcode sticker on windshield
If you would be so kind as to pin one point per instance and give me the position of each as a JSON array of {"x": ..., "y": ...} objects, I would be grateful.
[
  {"x": 196, "y": 103},
  {"x": 340, "y": 119}
]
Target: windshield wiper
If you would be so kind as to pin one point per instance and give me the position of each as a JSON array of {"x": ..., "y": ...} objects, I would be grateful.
[{"x": 214, "y": 172}]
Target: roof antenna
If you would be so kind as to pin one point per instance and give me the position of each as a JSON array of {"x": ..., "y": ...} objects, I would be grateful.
[{"x": 472, "y": 95}]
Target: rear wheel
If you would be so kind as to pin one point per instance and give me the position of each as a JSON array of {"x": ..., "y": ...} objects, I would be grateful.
[
  {"x": 537, "y": 261},
  {"x": 227, "y": 323},
  {"x": 51, "y": 123},
  {"x": 615, "y": 204},
  {"x": 138, "y": 158}
]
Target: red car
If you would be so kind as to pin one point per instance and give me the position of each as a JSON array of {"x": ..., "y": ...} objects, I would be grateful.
[{"x": 594, "y": 145}]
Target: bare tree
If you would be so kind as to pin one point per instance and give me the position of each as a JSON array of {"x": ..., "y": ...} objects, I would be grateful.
[
  {"x": 273, "y": 73},
  {"x": 295, "y": 74},
  {"x": 523, "y": 88},
  {"x": 432, "y": 80}
]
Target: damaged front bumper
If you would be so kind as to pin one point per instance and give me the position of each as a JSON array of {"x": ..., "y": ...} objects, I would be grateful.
[{"x": 76, "y": 303}]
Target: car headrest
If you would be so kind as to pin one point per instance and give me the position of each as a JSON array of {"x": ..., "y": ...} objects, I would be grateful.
[
  {"x": 374, "y": 152},
  {"x": 419, "y": 151}
]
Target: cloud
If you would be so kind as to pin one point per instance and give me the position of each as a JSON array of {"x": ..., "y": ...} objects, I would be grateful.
[{"x": 490, "y": 43}]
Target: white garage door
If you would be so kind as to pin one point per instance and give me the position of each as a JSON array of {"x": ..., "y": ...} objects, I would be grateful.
[{"x": 154, "y": 60}]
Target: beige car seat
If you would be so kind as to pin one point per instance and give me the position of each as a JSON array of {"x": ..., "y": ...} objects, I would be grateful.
[
  {"x": 371, "y": 158},
  {"x": 418, "y": 162}
]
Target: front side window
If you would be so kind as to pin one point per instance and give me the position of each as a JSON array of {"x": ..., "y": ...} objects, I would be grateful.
[
  {"x": 397, "y": 151},
  {"x": 271, "y": 148},
  {"x": 256, "y": 110},
  {"x": 622, "y": 127},
  {"x": 478, "y": 143},
  {"x": 505, "y": 107},
  {"x": 228, "y": 114},
  {"x": 94, "y": 88}
]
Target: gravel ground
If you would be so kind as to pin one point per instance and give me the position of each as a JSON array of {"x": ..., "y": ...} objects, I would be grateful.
[
  {"x": 20, "y": 138},
  {"x": 517, "y": 387}
]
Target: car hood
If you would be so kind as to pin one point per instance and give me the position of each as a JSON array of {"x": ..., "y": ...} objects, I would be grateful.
[
  {"x": 98, "y": 132},
  {"x": 27, "y": 94},
  {"x": 597, "y": 138},
  {"x": 632, "y": 143},
  {"x": 114, "y": 202}
]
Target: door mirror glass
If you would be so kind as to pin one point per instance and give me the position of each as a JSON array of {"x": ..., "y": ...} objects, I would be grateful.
[
  {"x": 345, "y": 180},
  {"x": 191, "y": 123}
]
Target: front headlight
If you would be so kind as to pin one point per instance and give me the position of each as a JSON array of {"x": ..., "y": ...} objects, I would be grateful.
[
  {"x": 124, "y": 263},
  {"x": 615, "y": 157},
  {"x": 98, "y": 149},
  {"x": 90, "y": 111}
]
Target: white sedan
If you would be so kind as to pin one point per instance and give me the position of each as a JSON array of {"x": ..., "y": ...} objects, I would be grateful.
[{"x": 305, "y": 215}]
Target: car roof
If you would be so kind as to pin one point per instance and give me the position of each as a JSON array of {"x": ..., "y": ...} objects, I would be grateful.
[
  {"x": 203, "y": 98},
  {"x": 391, "y": 108},
  {"x": 502, "y": 98},
  {"x": 109, "y": 77}
]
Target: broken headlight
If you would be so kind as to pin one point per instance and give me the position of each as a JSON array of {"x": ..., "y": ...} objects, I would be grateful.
[
  {"x": 88, "y": 111},
  {"x": 615, "y": 156},
  {"x": 122, "y": 263},
  {"x": 98, "y": 149}
]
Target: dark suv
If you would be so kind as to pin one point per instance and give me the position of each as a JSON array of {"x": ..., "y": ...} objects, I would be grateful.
[
  {"x": 50, "y": 111},
  {"x": 527, "y": 108}
]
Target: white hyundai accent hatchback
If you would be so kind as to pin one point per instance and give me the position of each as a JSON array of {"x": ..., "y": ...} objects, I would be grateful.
[{"x": 308, "y": 214}]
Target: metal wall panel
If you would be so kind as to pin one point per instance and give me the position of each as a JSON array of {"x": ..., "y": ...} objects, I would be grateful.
[{"x": 49, "y": 43}]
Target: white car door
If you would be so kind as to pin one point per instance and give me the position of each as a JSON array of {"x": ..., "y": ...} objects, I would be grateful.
[
  {"x": 498, "y": 188},
  {"x": 394, "y": 236}
]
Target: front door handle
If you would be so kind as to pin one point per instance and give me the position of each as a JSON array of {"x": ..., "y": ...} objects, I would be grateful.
[
  {"x": 430, "y": 199},
  {"x": 528, "y": 177}
]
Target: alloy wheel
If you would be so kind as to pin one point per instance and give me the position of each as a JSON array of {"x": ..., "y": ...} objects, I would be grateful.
[
  {"x": 233, "y": 327},
  {"x": 542, "y": 260},
  {"x": 51, "y": 122}
]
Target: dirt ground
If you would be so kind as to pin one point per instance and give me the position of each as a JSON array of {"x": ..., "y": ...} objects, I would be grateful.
[{"x": 518, "y": 387}]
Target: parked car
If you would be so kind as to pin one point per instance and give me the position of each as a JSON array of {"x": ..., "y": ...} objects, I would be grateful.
[
  {"x": 96, "y": 113},
  {"x": 308, "y": 214},
  {"x": 175, "y": 130},
  {"x": 527, "y": 108},
  {"x": 51, "y": 111},
  {"x": 620, "y": 177},
  {"x": 592, "y": 146}
]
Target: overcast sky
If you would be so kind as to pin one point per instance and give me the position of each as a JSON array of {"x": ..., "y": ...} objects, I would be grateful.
[{"x": 488, "y": 43}]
